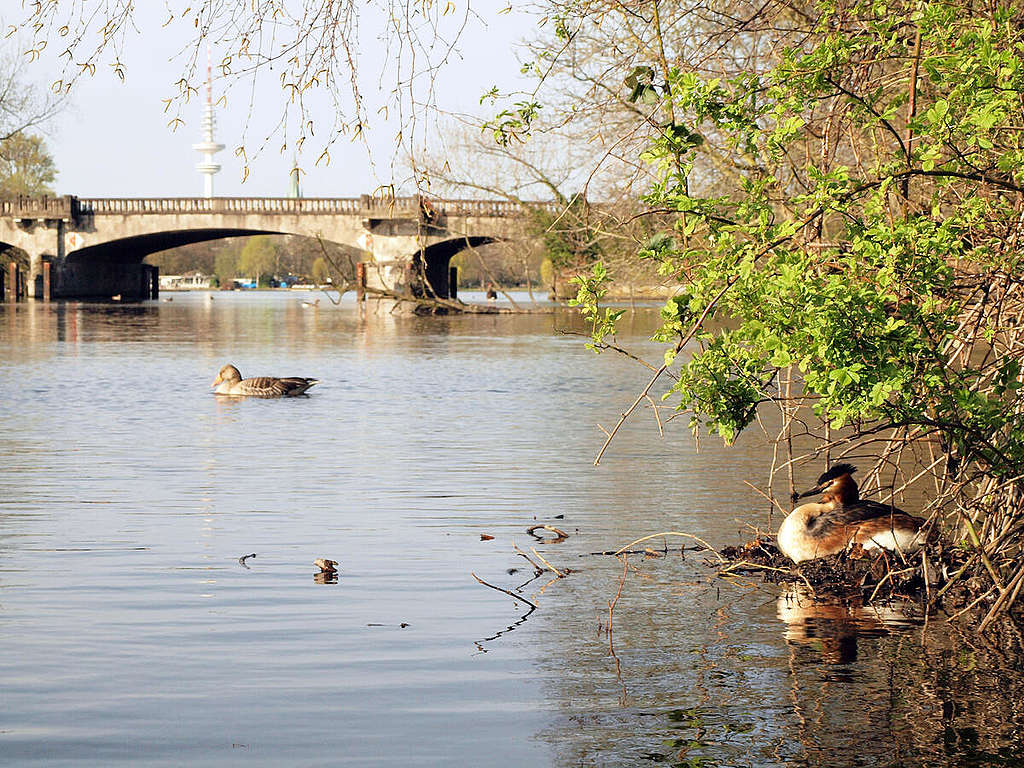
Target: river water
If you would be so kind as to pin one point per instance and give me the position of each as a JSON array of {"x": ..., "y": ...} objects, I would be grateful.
[{"x": 130, "y": 633}]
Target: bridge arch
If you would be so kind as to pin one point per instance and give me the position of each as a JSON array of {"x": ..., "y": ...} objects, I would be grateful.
[
  {"x": 435, "y": 260},
  {"x": 135, "y": 248},
  {"x": 10, "y": 253}
]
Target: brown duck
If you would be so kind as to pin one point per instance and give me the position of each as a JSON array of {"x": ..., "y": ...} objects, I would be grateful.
[
  {"x": 230, "y": 382},
  {"x": 843, "y": 519},
  {"x": 325, "y": 565}
]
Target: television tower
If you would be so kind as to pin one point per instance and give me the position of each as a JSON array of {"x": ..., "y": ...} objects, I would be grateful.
[{"x": 208, "y": 146}]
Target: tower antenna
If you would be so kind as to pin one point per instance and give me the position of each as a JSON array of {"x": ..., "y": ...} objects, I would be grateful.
[{"x": 208, "y": 147}]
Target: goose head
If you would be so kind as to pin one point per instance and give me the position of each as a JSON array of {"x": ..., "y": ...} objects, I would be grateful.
[{"x": 227, "y": 373}]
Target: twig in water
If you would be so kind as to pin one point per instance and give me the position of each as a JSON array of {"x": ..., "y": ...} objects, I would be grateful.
[
  {"x": 243, "y": 558},
  {"x": 743, "y": 565},
  {"x": 888, "y": 577},
  {"x": 536, "y": 575},
  {"x": 673, "y": 533},
  {"x": 562, "y": 535},
  {"x": 612, "y": 603},
  {"x": 510, "y": 594},
  {"x": 539, "y": 569},
  {"x": 549, "y": 565}
]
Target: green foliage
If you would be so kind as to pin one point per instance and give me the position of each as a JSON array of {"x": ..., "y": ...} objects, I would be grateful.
[
  {"x": 26, "y": 167},
  {"x": 320, "y": 270},
  {"x": 570, "y": 241},
  {"x": 225, "y": 265},
  {"x": 856, "y": 265},
  {"x": 592, "y": 288},
  {"x": 513, "y": 125},
  {"x": 258, "y": 258},
  {"x": 547, "y": 272},
  {"x": 641, "y": 86}
]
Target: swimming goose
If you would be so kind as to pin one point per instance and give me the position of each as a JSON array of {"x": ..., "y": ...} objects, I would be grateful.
[
  {"x": 230, "y": 382},
  {"x": 843, "y": 519}
]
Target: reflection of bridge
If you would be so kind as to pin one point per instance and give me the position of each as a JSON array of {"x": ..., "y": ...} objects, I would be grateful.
[{"x": 95, "y": 247}]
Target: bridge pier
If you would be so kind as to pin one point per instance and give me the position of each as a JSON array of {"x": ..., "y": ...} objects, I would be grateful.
[{"x": 39, "y": 284}]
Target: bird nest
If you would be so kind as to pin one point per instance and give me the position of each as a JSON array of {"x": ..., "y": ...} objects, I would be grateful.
[{"x": 874, "y": 574}]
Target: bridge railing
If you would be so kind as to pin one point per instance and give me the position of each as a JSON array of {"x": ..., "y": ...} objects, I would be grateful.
[
  {"x": 493, "y": 207},
  {"x": 366, "y": 205},
  {"x": 172, "y": 205},
  {"x": 454, "y": 207},
  {"x": 23, "y": 207}
]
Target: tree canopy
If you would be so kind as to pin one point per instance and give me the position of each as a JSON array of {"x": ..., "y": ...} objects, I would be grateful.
[
  {"x": 26, "y": 167},
  {"x": 258, "y": 258}
]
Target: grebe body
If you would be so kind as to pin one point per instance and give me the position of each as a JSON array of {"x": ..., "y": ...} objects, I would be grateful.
[{"x": 843, "y": 519}]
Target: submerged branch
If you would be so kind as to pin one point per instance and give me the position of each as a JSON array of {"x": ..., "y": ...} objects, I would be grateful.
[
  {"x": 500, "y": 589},
  {"x": 698, "y": 539}
]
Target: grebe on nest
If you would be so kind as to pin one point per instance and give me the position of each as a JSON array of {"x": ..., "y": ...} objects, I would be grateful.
[{"x": 842, "y": 518}]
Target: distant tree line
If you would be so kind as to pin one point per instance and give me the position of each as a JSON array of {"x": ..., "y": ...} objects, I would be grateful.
[{"x": 261, "y": 258}]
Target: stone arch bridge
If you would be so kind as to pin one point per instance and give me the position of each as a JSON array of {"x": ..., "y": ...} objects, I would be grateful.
[{"x": 91, "y": 247}]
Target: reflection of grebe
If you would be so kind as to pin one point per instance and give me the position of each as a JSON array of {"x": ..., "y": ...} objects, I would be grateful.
[
  {"x": 230, "y": 382},
  {"x": 843, "y": 518},
  {"x": 833, "y": 626}
]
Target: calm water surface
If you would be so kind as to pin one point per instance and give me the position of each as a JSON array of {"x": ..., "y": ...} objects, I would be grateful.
[{"x": 130, "y": 633}]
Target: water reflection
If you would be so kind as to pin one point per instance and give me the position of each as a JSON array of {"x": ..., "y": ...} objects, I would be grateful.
[
  {"x": 129, "y": 493},
  {"x": 831, "y": 627}
]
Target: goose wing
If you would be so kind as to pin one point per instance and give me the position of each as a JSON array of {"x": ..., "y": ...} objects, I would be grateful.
[
  {"x": 296, "y": 385},
  {"x": 271, "y": 386},
  {"x": 259, "y": 386}
]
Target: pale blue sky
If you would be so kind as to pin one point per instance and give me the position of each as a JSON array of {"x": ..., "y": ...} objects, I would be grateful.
[{"x": 114, "y": 139}]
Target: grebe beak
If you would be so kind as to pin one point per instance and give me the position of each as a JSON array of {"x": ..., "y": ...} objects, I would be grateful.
[
  {"x": 217, "y": 381},
  {"x": 814, "y": 491}
]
